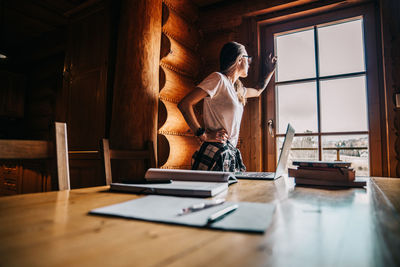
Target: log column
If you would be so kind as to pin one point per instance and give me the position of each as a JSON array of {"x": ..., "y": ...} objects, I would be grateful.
[
  {"x": 179, "y": 66},
  {"x": 135, "y": 99}
]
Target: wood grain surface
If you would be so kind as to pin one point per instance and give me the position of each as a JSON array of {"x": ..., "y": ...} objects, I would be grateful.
[{"x": 312, "y": 227}]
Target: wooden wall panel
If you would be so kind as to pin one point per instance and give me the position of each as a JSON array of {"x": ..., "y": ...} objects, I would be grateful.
[
  {"x": 86, "y": 79},
  {"x": 34, "y": 178},
  {"x": 182, "y": 59},
  {"x": 86, "y": 173},
  {"x": 86, "y": 115},
  {"x": 174, "y": 86},
  {"x": 185, "y": 8},
  {"x": 181, "y": 151},
  {"x": 163, "y": 149},
  {"x": 251, "y": 127},
  {"x": 175, "y": 123},
  {"x": 391, "y": 64},
  {"x": 211, "y": 46},
  {"x": 180, "y": 65},
  {"x": 83, "y": 102},
  {"x": 187, "y": 34},
  {"x": 250, "y": 135},
  {"x": 213, "y": 42},
  {"x": 12, "y": 94},
  {"x": 45, "y": 82}
]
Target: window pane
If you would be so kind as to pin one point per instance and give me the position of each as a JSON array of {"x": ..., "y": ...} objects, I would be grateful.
[
  {"x": 341, "y": 48},
  {"x": 303, "y": 148},
  {"x": 296, "y": 55},
  {"x": 297, "y": 105},
  {"x": 357, "y": 155},
  {"x": 343, "y": 105}
]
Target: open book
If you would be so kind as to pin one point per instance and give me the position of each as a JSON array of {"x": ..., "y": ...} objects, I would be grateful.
[
  {"x": 190, "y": 175},
  {"x": 179, "y": 183},
  {"x": 175, "y": 188}
]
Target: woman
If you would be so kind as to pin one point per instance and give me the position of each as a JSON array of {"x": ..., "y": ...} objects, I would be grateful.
[{"x": 224, "y": 98}]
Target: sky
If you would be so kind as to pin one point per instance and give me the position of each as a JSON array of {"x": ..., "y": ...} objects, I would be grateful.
[{"x": 343, "y": 100}]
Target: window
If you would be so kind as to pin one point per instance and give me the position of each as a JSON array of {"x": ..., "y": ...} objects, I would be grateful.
[{"x": 325, "y": 89}]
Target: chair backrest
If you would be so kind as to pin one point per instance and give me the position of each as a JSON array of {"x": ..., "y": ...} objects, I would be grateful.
[
  {"x": 146, "y": 154},
  {"x": 56, "y": 149}
]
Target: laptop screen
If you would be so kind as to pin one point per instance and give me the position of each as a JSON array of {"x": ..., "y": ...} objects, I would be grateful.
[{"x": 284, "y": 155}]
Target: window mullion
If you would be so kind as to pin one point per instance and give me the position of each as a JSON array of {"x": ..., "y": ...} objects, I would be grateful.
[{"x": 318, "y": 93}]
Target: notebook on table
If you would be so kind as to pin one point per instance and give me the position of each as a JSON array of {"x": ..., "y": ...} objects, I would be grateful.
[
  {"x": 282, "y": 162},
  {"x": 178, "y": 183},
  {"x": 248, "y": 217},
  {"x": 174, "y": 188}
]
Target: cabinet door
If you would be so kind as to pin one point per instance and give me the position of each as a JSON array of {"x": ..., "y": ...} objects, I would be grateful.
[{"x": 85, "y": 88}]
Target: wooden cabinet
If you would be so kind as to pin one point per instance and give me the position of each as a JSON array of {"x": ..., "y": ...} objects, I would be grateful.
[
  {"x": 9, "y": 176},
  {"x": 24, "y": 176}
]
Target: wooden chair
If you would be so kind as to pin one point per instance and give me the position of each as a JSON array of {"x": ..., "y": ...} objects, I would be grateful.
[
  {"x": 35, "y": 149},
  {"x": 108, "y": 154}
]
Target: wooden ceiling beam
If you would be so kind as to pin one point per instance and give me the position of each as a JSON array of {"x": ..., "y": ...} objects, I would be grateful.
[
  {"x": 57, "y": 7},
  {"x": 36, "y": 12},
  {"x": 230, "y": 14},
  {"x": 305, "y": 10}
]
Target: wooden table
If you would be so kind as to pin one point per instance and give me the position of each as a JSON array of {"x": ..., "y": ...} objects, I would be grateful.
[{"x": 311, "y": 227}]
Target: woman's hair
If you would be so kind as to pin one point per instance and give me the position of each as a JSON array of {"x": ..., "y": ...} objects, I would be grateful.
[{"x": 228, "y": 60}]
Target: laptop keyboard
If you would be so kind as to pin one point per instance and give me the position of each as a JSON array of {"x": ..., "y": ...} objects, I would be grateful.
[{"x": 256, "y": 174}]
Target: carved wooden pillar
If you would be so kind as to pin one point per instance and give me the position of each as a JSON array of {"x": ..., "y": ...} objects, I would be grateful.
[
  {"x": 135, "y": 101},
  {"x": 179, "y": 66}
]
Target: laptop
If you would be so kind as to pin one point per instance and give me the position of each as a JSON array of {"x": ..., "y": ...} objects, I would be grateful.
[{"x": 282, "y": 162}]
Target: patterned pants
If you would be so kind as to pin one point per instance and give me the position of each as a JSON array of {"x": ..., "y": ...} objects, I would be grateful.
[{"x": 213, "y": 156}]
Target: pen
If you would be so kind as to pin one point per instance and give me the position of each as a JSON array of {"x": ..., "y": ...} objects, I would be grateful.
[
  {"x": 201, "y": 206},
  {"x": 221, "y": 213}
]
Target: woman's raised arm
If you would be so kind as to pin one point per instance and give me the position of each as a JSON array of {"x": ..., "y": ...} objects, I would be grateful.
[{"x": 270, "y": 63}]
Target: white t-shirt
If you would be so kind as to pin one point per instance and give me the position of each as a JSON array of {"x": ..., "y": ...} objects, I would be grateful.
[{"x": 222, "y": 109}]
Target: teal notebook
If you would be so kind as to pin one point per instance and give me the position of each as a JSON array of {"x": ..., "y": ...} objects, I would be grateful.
[{"x": 249, "y": 217}]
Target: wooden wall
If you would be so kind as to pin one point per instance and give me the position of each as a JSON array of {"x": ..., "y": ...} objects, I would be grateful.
[
  {"x": 67, "y": 75},
  {"x": 39, "y": 65},
  {"x": 390, "y": 23},
  {"x": 84, "y": 97},
  {"x": 179, "y": 67},
  {"x": 44, "y": 87},
  {"x": 12, "y": 103}
]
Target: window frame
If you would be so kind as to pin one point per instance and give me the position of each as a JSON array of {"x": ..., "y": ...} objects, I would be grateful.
[{"x": 266, "y": 43}]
